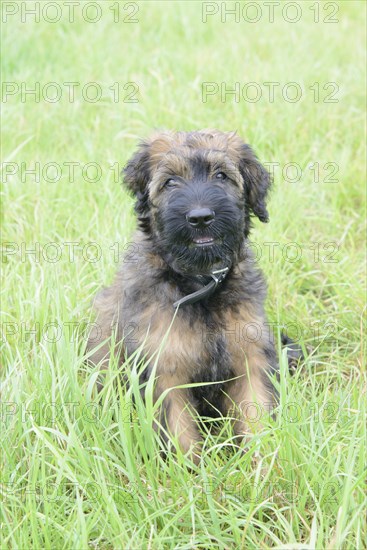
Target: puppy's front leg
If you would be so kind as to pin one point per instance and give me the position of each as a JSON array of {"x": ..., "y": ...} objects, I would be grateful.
[
  {"x": 176, "y": 416},
  {"x": 249, "y": 397}
]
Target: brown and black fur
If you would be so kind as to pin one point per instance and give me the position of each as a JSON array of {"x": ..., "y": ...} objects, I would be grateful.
[{"x": 223, "y": 339}]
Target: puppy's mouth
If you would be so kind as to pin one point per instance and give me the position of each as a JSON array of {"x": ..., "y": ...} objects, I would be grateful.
[{"x": 203, "y": 241}]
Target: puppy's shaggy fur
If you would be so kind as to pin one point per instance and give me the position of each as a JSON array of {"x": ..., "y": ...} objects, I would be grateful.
[{"x": 196, "y": 193}]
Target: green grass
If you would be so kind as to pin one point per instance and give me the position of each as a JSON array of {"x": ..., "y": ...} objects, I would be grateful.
[{"x": 76, "y": 474}]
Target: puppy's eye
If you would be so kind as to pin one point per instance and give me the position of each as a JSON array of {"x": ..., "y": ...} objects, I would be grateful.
[
  {"x": 221, "y": 176},
  {"x": 170, "y": 182}
]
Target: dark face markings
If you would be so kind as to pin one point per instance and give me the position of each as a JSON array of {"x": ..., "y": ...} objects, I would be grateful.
[{"x": 181, "y": 187}]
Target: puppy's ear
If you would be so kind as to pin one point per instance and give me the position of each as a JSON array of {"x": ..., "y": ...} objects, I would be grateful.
[
  {"x": 136, "y": 173},
  {"x": 257, "y": 182}
]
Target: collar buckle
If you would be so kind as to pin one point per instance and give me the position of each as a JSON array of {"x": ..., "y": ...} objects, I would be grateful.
[{"x": 219, "y": 275}]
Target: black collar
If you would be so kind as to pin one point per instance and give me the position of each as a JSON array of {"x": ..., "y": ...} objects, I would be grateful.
[{"x": 215, "y": 278}]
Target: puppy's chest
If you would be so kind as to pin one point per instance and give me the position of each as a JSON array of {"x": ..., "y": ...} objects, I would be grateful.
[{"x": 188, "y": 349}]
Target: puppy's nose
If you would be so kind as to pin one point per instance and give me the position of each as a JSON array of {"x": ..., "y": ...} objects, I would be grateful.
[{"x": 200, "y": 217}]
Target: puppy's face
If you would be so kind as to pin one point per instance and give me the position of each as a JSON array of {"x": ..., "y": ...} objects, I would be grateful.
[{"x": 196, "y": 192}]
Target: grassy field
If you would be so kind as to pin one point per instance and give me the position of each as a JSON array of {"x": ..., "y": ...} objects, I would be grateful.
[{"x": 76, "y": 474}]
